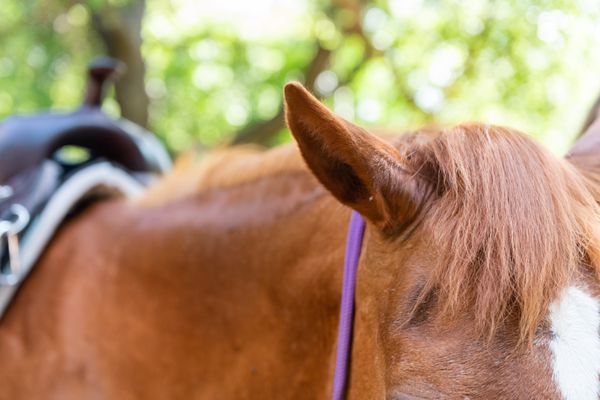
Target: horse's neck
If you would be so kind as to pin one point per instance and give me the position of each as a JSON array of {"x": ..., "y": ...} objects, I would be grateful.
[
  {"x": 265, "y": 258},
  {"x": 238, "y": 283}
]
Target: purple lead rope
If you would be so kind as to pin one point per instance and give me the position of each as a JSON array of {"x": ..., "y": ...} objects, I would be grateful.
[{"x": 353, "y": 248}]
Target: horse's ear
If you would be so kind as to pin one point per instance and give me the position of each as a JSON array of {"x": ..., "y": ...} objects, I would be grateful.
[
  {"x": 359, "y": 169},
  {"x": 585, "y": 153}
]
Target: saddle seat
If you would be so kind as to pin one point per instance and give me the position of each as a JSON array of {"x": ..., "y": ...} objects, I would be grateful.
[{"x": 25, "y": 141}]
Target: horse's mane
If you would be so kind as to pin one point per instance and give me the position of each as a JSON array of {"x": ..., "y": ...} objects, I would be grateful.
[
  {"x": 512, "y": 223},
  {"x": 222, "y": 168}
]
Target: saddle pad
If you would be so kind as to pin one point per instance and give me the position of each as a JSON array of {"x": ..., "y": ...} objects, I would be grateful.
[{"x": 101, "y": 178}]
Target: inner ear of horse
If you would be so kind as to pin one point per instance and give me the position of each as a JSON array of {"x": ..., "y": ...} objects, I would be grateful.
[{"x": 358, "y": 168}]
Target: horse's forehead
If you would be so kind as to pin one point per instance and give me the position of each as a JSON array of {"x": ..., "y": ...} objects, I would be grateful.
[{"x": 564, "y": 362}]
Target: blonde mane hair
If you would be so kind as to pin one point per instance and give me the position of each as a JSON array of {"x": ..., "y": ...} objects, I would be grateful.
[{"x": 512, "y": 223}]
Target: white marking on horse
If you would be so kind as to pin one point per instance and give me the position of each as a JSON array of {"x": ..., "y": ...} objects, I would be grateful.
[{"x": 575, "y": 346}]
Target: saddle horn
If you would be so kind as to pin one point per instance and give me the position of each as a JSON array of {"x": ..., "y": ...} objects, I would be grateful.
[{"x": 100, "y": 71}]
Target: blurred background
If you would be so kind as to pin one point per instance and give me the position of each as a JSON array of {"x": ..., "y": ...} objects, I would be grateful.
[{"x": 210, "y": 72}]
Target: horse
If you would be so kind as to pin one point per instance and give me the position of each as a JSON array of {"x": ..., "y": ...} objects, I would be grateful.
[{"x": 478, "y": 279}]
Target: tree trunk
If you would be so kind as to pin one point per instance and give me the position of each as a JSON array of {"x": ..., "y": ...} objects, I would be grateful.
[{"x": 120, "y": 31}]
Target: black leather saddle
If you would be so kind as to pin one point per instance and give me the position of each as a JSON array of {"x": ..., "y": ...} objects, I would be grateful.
[
  {"x": 40, "y": 186},
  {"x": 30, "y": 169},
  {"x": 25, "y": 141}
]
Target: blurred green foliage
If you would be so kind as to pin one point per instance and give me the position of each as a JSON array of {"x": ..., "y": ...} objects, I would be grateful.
[{"x": 214, "y": 68}]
